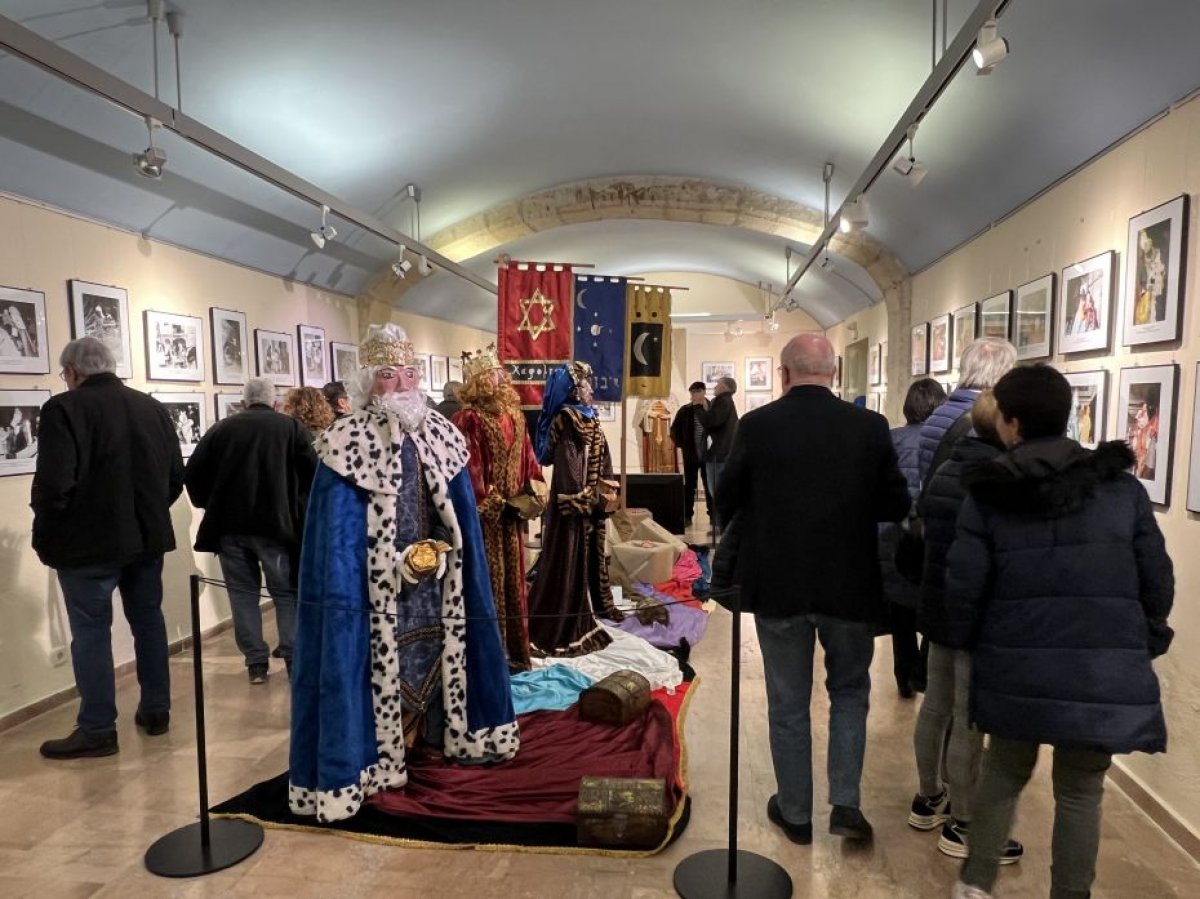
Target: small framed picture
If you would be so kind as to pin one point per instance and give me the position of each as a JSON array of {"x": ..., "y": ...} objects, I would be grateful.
[
  {"x": 439, "y": 372},
  {"x": 964, "y": 333},
  {"x": 174, "y": 347},
  {"x": 102, "y": 311},
  {"x": 1089, "y": 399},
  {"x": 837, "y": 375},
  {"x": 758, "y": 400},
  {"x": 939, "y": 343},
  {"x": 314, "y": 371},
  {"x": 1034, "y": 318},
  {"x": 1145, "y": 419},
  {"x": 711, "y": 372},
  {"x": 276, "y": 354},
  {"x": 20, "y": 414},
  {"x": 1155, "y": 268},
  {"x": 875, "y": 364},
  {"x": 995, "y": 314},
  {"x": 758, "y": 373},
  {"x": 23, "y": 340},
  {"x": 186, "y": 411},
  {"x": 606, "y": 411},
  {"x": 1084, "y": 303},
  {"x": 920, "y": 349},
  {"x": 230, "y": 343},
  {"x": 1193, "y": 495},
  {"x": 344, "y": 357},
  {"x": 423, "y": 366},
  {"x": 455, "y": 367},
  {"x": 883, "y": 361},
  {"x": 228, "y": 404}
]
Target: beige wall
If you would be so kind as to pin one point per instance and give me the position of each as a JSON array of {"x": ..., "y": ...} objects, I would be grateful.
[{"x": 871, "y": 325}]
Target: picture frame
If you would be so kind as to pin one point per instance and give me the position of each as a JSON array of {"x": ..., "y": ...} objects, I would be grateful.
[
  {"x": 174, "y": 346},
  {"x": 1089, "y": 400},
  {"x": 343, "y": 358},
  {"x": 456, "y": 368},
  {"x": 423, "y": 366},
  {"x": 275, "y": 357},
  {"x": 995, "y": 316},
  {"x": 919, "y": 352},
  {"x": 230, "y": 345},
  {"x": 1033, "y": 318},
  {"x": 20, "y": 415},
  {"x": 102, "y": 311},
  {"x": 227, "y": 404},
  {"x": 837, "y": 375},
  {"x": 439, "y": 372},
  {"x": 939, "y": 343},
  {"x": 1145, "y": 420},
  {"x": 187, "y": 413},
  {"x": 758, "y": 400},
  {"x": 759, "y": 371},
  {"x": 606, "y": 411},
  {"x": 1193, "y": 493},
  {"x": 875, "y": 364},
  {"x": 24, "y": 345},
  {"x": 1155, "y": 273},
  {"x": 711, "y": 372},
  {"x": 883, "y": 362},
  {"x": 965, "y": 320},
  {"x": 314, "y": 365},
  {"x": 1085, "y": 304}
]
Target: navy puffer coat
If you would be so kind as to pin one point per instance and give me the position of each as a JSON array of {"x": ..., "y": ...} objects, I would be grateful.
[
  {"x": 896, "y": 588},
  {"x": 937, "y": 424}
]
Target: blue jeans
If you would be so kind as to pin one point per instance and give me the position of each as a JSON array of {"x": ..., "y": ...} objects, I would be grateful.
[
  {"x": 787, "y": 646},
  {"x": 88, "y": 592},
  {"x": 244, "y": 562}
]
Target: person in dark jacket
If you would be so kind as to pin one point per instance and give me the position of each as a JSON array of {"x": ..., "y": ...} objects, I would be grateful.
[
  {"x": 338, "y": 399},
  {"x": 720, "y": 421},
  {"x": 450, "y": 405},
  {"x": 812, "y": 477},
  {"x": 251, "y": 474},
  {"x": 1062, "y": 584},
  {"x": 108, "y": 469},
  {"x": 687, "y": 431}
]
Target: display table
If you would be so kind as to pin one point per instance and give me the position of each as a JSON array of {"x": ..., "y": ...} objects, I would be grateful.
[{"x": 662, "y": 494}]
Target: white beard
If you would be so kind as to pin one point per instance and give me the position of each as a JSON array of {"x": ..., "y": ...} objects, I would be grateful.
[{"x": 408, "y": 406}]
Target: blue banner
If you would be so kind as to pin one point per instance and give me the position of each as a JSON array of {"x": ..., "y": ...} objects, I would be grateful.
[{"x": 600, "y": 332}]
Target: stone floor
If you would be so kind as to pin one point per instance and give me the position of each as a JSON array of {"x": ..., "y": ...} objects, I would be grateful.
[{"x": 80, "y": 828}]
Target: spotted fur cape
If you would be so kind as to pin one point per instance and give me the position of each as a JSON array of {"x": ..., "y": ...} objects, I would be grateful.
[{"x": 347, "y": 733}]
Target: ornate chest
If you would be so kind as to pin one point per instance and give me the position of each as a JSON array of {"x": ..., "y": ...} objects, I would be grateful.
[
  {"x": 615, "y": 700},
  {"x": 622, "y": 811}
]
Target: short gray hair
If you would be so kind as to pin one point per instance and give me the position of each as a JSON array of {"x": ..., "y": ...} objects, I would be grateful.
[
  {"x": 88, "y": 356},
  {"x": 451, "y": 388},
  {"x": 809, "y": 355},
  {"x": 259, "y": 391},
  {"x": 985, "y": 361},
  {"x": 729, "y": 383}
]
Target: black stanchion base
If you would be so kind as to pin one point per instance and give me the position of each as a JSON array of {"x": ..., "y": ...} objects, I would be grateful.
[
  {"x": 180, "y": 853},
  {"x": 705, "y": 875}
]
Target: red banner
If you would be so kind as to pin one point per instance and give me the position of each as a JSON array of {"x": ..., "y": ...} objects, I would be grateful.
[{"x": 534, "y": 325}]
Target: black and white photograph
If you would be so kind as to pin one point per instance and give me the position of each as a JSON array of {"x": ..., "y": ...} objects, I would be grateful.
[
  {"x": 758, "y": 400},
  {"x": 964, "y": 333},
  {"x": 711, "y": 372},
  {"x": 230, "y": 346},
  {"x": 344, "y": 357},
  {"x": 102, "y": 311},
  {"x": 423, "y": 368},
  {"x": 20, "y": 411},
  {"x": 1193, "y": 494},
  {"x": 1089, "y": 398},
  {"x": 1034, "y": 318},
  {"x": 23, "y": 349},
  {"x": 1145, "y": 420},
  {"x": 456, "y": 368},
  {"x": 607, "y": 411},
  {"x": 758, "y": 372},
  {"x": 439, "y": 372},
  {"x": 1155, "y": 268},
  {"x": 314, "y": 371},
  {"x": 174, "y": 347},
  {"x": 276, "y": 354},
  {"x": 995, "y": 314},
  {"x": 228, "y": 404},
  {"x": 1084, "y": 304},
  {"x": 186, "y": 411}
]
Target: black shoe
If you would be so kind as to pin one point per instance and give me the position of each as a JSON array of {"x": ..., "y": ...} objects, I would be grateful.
[
  {"x": 848, "y": 822},
  {"x": 258, "y": 673},
  {"x": 953, "y": 842},
  {"x": 797, "y": 833},
  {"x": 905, "y": 688},
  {"x": 81, "y": 745},
  {"x": 929, "y": 812},
  {"x": 154, "y": 723},
  {"x": 277, "y": 652}
]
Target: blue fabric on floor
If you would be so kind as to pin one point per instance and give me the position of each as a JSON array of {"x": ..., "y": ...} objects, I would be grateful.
[{"x": 550, "y": 689}]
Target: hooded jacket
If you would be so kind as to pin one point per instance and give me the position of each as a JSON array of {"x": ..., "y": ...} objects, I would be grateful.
[{"x": 1061, "y": 575}]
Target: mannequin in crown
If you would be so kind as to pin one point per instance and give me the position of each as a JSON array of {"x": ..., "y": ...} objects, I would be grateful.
[
  {"x": 509, "y": 488},
  {"x": 396, "y": 635},
  {"x": 572, "y": 586}
]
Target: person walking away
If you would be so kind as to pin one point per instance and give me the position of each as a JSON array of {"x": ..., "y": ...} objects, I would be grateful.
[
  {"x": 687, "y": 431},
  {"x": 720, "y": 422}
]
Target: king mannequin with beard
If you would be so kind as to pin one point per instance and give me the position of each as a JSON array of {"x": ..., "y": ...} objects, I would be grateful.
[{"x": 396, "y": 635}]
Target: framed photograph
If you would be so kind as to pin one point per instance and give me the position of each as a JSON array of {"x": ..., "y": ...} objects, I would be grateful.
[
  {"x": 276, "y": 354},
  {"x": 758, "y": 373},
  {"x": 964, "y": 333},
  {"x": 711, "y": 372},
  {"x": 875, "y": 364},
  {"x": 837, "y": 375},
  {"x": 20, "y": 412},
  {"x": 423, "y": 367},
  {"x": 456, "y": 368},
  {"x": 314, "y": 371},
  {"x": 1034, "y": 318},
  {"x": 230, "y": 346},
  {"x": 1193, "y": 494},
  {"x": 23, "y": 346},
  {"x": 1145, "y": 417},
  {"x": 606, "y": 411},
  {"x": 187, "y": 415},
  {"x": 344, "y": 357},
  {"x": 939, "y": 343},
  {"x": 920, "y": 349},
  {"x": 174, "y": 347},
  {"x": 1084, "y": 304},
  {"x": 995, "y": 314},
  {"x": 883, "y": 361},
  {"x": 439, "y": 372},
  {"x": 1155, "y": 268},
  {"x": 758, "y": 400},
  {"x": 228, "y": 404},
  {"x": 102, "y": 311},
  {"x": 1089, "y": 399}
]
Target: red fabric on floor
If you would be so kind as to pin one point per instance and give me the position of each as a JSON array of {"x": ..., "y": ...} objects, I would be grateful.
[{"x": 679, "y": 587}]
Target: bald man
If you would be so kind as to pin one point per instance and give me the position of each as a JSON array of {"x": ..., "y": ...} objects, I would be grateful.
[{"x": 810, "y": 477}]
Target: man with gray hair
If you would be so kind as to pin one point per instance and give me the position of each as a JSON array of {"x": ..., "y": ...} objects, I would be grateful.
[
  {"x": 108, "y": 469},
  {"x": 720, "y": 421},
  {"x": 251, "y": 475}
]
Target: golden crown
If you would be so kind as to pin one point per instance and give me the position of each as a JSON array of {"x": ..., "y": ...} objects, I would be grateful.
[
  {"x": 481, "y": 362},
  {"x": 386, "y": 345},
  {"x": 580, "y": 372}
]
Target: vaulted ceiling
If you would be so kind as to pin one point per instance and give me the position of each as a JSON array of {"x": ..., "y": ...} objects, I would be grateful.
[{"x": 482, "y": 103}]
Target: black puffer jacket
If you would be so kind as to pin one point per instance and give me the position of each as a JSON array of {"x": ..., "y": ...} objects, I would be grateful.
[
  {"x": 1063, "y": 576},
  {"x": 939, "y": 508}
]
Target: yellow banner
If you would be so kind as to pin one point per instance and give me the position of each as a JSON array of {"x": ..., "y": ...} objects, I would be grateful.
[{"x": 648, "y": 340}]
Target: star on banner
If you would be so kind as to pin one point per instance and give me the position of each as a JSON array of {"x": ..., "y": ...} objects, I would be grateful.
[{"x": 547, "y": 320}]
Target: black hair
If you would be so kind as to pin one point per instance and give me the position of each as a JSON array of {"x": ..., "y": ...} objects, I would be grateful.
[
  {"x": 334, "y": 391},
  {"x": 1039, "y": 397},
  {"x": 923, "y": 397},
  {"x": 697, "y": 385}
]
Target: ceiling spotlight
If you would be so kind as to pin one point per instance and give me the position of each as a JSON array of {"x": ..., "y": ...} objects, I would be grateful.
[
  {"x": 854, "y": 215},
  {"x": 423, "y": 266},
  {"x": 325, "y": 232},
  {"x": 401, "y": 266},
  {"x": 772, "y": 324},
  {"x": 908, "y": 167},
  {"x": 990, "y": 48},
  {"x": 151, "y": 161},
  {"x": 825, "y": 264}
]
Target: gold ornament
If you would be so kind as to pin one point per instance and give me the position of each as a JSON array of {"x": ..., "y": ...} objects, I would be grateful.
[
  {"x": 480, "y": 363},
  {"x": 424, "y": 556},
  {"x": 547, "y": 321},
  {"x": 387, "y": 345}
]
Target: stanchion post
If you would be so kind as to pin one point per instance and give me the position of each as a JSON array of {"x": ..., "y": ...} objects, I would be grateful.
[{"x": 198, "y": 684}]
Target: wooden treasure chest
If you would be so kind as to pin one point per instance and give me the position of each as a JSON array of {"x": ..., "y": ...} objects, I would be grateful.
[
  {"x": 622, "y": 811},
  {"x": 615, "y": 700}
]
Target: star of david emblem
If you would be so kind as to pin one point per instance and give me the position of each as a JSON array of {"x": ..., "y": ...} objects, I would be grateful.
[{"x": 545, "y": 323}]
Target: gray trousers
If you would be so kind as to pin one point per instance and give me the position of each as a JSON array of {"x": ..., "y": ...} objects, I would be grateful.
[{"x": 942, "y": 740}]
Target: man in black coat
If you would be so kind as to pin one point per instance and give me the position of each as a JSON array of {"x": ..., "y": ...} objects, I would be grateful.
[
  {"x": 720, "y": 421},
  {"x": 108, "y": 469},
  {"x": 251, "y": 474},
  {"x": 687, "y": 431},
  {"x": 810, "y": 478}
]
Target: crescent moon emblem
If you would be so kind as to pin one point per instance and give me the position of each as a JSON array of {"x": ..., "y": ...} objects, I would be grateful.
[
  {"x": 579, "y": 299},
  {"x": 638, "y": 346}
]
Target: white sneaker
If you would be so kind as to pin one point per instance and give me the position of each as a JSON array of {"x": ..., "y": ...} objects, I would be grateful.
[{"x": 966, "y": 891}]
